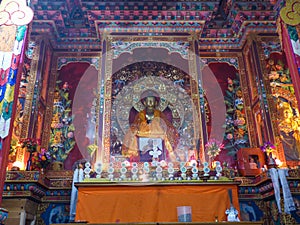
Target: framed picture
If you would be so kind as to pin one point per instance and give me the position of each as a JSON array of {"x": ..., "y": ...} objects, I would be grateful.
[
  {"x": 151, "y": 148},
  {"x": 251, "y": 161}
]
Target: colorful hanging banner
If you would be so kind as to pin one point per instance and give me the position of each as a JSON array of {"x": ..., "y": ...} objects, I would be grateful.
[{"x": 9, "y": 62}]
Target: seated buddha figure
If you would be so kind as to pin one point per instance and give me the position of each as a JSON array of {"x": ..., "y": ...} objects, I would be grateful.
[{"x": 150, "y": 123}]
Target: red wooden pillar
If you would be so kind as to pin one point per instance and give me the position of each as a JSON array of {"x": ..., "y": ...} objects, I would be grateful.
[
  {"x": 13, "y": 32},
  {"x": 292, "y": 59}
]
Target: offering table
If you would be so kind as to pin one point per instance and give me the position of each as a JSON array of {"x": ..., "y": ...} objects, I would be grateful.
[{"x": 140, "y": 202}]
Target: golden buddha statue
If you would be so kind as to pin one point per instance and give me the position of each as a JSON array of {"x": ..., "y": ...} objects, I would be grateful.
[
  {"x": 289, "y": 132},
  {"x": 150, "y": 123}
]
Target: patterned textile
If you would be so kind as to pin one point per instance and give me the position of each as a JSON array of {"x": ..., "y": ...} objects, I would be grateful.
[{"x": 9, "y": 63}]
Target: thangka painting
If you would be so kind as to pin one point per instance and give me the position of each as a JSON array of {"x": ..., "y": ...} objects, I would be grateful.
[{"x": 286, "y": 105}]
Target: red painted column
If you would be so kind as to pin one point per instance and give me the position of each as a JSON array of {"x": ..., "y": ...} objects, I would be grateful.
[
  {"x": 13, "y": 32},
  {"x": 291, "y": 61},
  {"x": 290, "y": 17}
]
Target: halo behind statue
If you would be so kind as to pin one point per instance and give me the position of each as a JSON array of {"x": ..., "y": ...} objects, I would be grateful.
[
  {"x": 149, "y": 86},
  {"x": 185, "y": 116},
  {"x": 169, "y": 95}
]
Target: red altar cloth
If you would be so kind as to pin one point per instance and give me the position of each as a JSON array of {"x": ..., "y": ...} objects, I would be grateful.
[{"x": 110, "y": 203}]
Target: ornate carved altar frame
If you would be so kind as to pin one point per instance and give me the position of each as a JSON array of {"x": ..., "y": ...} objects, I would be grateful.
[{"x": 108, "y": 55}]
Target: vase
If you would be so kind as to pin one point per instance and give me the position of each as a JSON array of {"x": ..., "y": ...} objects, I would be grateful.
[
  {"x": 57, "y": 165},
  {"x": 29, "y": 162},
  {"x": 270, "y": 161}
]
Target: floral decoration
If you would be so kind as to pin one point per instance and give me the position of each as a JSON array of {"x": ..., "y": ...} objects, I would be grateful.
[
  {"x": 43, "y": 159},
  {"x": 92, "y": 148},
  {"x": 279, "y": 75},
  {"x": 30, "y": 144},
  {"x": 213, "y": 148},
  {"x": 268, "y": 147},
  {"x": 62, "y": 139},
  {"x": 236, "y": 134}
]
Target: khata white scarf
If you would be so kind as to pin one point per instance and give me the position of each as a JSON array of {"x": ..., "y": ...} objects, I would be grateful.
[{"x": 281, "y": 174}]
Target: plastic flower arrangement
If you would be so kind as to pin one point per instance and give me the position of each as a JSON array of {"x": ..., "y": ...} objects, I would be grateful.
[
  {"x": 213, "y": 148},
  {"x": 30, "y": 144},
  {"x": 43, "y": 159},
  {"x": 268, "y": 147}
]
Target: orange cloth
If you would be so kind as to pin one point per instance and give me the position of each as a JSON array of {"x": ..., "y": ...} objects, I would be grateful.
[{"x": 153, "y": 203}]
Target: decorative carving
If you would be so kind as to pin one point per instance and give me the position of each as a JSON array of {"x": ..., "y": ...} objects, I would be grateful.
[
  {"x": 120, "y": 79},
  {"x": 62, "y": 61},
  {"x": 270, "y": 46},
  {"x": 246, "y": 88},
  {"x": 71, "y": 27},
  {"x": 119, "y": 47},
  {"x": 22, "y": 176},
  {"x": 230, "y": 60},
  {"x": 15, "y": 12},
  {"x": 290, "y": 13},
  {"x": 30, "y": 71},
  {"x": 50, "y": 102}
]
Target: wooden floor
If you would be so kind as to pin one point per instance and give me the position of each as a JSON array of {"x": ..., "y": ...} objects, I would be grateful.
[{"x": 187, "y": 223}]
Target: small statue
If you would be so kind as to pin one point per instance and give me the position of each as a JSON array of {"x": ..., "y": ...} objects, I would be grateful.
[{"x": 232, "y": 214}]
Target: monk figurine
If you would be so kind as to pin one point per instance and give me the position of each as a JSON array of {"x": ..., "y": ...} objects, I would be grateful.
[{"x": 150, "y": 123}]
